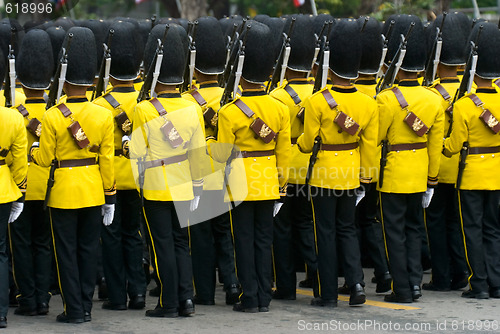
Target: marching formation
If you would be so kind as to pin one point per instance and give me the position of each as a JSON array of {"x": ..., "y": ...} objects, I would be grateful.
[{"x": 175, "y": 150}]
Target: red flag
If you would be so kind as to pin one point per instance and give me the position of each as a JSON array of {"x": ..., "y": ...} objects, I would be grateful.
[{"x": 298, "y": 3}]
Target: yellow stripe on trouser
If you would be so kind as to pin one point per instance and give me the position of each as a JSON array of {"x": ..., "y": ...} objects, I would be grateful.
[
  {"x": 57, "y": 262},
  {"x": 154, "y": 255},
  {"x": 189, "y": 243},
  {"x": 316, "y": 244},
  {"x": 463, "y": 234},
  {"x": 383, "y": 231},
  {"x": 12, "y": 254},
  {"x": 427, "y": 236},
  {"x": 234, "y": 248}
]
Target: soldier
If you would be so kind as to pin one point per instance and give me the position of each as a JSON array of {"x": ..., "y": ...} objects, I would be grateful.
[
  {"x": 258, "y": 125},
  {"x": 83, "y": 174},
  {"x": 13, "y": 170},
  {"x": 121, "y": 241},
  {"x": 295, "y": 217},
  {"x": 30, "y": 235},
  {"x": 475, "y": 129},
  {"x": 211, "y": 242},
  {"x": 449, "y": 269},
  {"x": 343, "y": 123},
  {"x": 168, "y": 134},
  {"x": 411, "y": 121},
  {"x": 367, "y": 209}
]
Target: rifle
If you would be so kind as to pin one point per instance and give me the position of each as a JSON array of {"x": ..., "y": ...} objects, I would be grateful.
[
  {"x": 469, "y": 72},
  {"x": 434, "y": 56},
  {"x": 383, "y": 161},
  {"x": 282, "y": 62},
  {"x": 312, "y": 162},
  {"x": 461, "y": 164},
  {"x": 153, "y": 70},
  {"x": 380, "y": 72},
  {"x": 10, "y": 75},
  {"x": 390, "y": 75},
  {"x": 56, "y": 87},
  {"x": 235, "y": 75},
  {"x": 189, "y": 69},
  {"x": 324, "y": 61},
  {"x": 230, "y": 57},
  {"x": 317, "y": 48},
  {"x": 50, "y": 183},
  {"x": 102, "y": 82}
]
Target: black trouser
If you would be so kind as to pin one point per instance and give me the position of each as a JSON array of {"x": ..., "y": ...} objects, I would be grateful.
[
  {"x": 371, "y": 230},
  {"x": 481, "y": 229},
  {"x": 294, "y": 216},
  {"x": 444, "y": 236},
  {"x": 334, "y": 223},
  {"x": 76, "y": 239},
  {"x": 122, "y": 249},
  {"x": 211, "y": 245},
  {"x": 4, "y": 259},
  {"x": 31, "y": 254},
  {"x": 253, "y": 237},
  {"x": 170, "y": 245},
  {"x": 402, "y": 218}
]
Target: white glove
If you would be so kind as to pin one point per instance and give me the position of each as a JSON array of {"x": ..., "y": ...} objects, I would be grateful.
[
  {"x": 108, "y": 213},
  {"x": 426, "y": 199},
  {"x": 15, "y": 211},
  {"x": 359, "y": 196},
  {"x": 277, "y": 207},
  {"x": 194, "y": 203},
  {"x": 125, "y": 138},
  {"x": 35, "y": 144}
]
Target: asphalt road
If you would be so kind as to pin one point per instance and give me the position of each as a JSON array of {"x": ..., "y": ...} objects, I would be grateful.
[{"x": 435, "y": 312}]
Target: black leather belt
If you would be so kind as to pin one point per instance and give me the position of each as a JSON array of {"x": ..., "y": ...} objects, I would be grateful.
[
  {"x": 407, "y": 147},
  {"x": 339, "y": 147},
  {"x": 165, "y": 161},
  {"x": 484, "y": 150},
  {"x": 76, "y": 163}
]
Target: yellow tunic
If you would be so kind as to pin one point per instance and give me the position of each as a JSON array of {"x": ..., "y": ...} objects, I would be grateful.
[
  {"x": 409, "y": 171},
  {"x": 37, "y": 176},
  {"x": 127, "y": 97},
  {"x": 12, "y": 138},
  {"x": 481, "y": 170},
  {"x": 368, "y": 87},
  {"x": 341, "y": 170},
  {"x": 448, "y": 168},
  {"x": 175, "y": 181},
  {"x": 20, "y": 97},
  {"x": 212, "y": 93},
  {"x": 266, "y": 177},
  {"x": 298, "y": 160},
  {"x": 86, "y": 186}
]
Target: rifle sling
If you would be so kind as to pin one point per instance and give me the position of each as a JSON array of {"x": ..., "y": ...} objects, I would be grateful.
[
  {"x": 111, "y": 100},
  {"x": 293, "y": 94}
]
